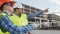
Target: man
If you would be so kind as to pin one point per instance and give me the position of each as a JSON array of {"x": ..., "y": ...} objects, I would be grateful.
[
  {"x": 5, "y": 22},
  {"x": 19, "y": 12},
  {"x": 2, "y": 2}
]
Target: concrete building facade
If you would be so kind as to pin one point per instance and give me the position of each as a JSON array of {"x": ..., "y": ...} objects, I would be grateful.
[{"x": 43, "y": 20}]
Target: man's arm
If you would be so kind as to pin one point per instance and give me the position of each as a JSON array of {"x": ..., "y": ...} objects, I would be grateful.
[
  {"x": 30, "y": 16},
  {"x": 10, "y": 27},
  {"x": 7, "y": 25}
]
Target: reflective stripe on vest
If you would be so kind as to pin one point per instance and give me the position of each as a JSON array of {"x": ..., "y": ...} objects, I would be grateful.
[{"x": 19, "y": 21}]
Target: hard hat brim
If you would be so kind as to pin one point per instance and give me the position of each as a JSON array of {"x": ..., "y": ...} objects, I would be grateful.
[{"x": 11, "y": 2}]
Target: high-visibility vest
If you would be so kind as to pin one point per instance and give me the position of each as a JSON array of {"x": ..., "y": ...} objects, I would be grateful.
[
  {"x": 0, "y": 29},
  {"x": 7, "y": 33},
  {"x": 1, "y": 32},
  {"x": 19, "y": 21}
]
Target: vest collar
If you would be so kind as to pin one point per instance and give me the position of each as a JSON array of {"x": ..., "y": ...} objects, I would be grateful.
[{"x": 7, "y": 13}]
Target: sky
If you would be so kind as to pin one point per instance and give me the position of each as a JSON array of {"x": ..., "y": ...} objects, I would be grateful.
[{"x": 53, "y": 5}]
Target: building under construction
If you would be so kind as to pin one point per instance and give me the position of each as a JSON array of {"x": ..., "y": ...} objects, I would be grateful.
[{"x": 43, "y": 20}]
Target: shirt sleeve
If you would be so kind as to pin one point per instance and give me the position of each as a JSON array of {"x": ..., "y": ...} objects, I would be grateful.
[
  {"x": 8, "y": 25},
  {"x": 30, "y": 16}
]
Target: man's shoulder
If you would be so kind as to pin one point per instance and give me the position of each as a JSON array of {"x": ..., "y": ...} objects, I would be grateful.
[{"x": 3, "y": 14}]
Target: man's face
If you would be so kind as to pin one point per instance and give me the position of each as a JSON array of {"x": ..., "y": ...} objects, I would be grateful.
[
  {"x": 19, "y": 10},
  {"x": 8, "y": 8}
]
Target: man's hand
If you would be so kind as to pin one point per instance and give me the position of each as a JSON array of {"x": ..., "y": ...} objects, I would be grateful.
[{"x": 46, "y": 10}]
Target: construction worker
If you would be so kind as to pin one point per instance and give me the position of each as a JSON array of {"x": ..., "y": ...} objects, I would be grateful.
[
  {"x": 24, "y": 17},
  {"x": 1, "y": 4},
  {"x": 7, "y": 24}
]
